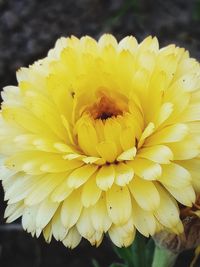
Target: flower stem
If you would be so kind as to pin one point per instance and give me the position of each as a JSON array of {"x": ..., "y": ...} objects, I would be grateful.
[{"x": 164, "y": 258}]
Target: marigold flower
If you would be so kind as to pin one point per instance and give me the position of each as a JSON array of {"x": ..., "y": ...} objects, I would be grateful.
[{"x": 102, "y": 137}]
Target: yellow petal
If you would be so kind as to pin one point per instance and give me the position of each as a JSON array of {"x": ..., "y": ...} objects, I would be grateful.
[
  {"x": 29, "y": 218},
  {"x": 158, "y": 153},
  {"x": 87, "y": 138},
  {"x": 128, "y": 43},
  {"x": 192, "y": 113},
  {"x": 99, "y": 215},
  {"x": 96, "y": 160},
  {"x": 124, "y": 174},
  {"x": 10, "y": 209},
  {"x": 127, "y": 138},
  {"x": 112, "y": 132},
  {"x": 96, "y": 239},
  {"x": 67, "y": 127},
  {"x": 174, "y": 175},
  {"x": 71, "y": 209},
  {"x": 165, "y": 111},
  {"x": 61, "y": 192},
  {"x": 147, "y": 132},
  {"x": 80, "y": 175},
  {"x": 186, "y": 149},
  {"x": 107, "y": 40},
  {"x": 145, "y": 193},
  {"x": 84, "y": 224},
  {"x": 149, "y": 44},
  {"x": 58, "y": 230},
  {"x": 44, "y": 109},
  {"x": 105, "y": 177},
  {"x": 128, "y": 154},
  {"x": 47, "y": 233},
  {"x": 118, "y": 202},
  {"x": 15, "y": 211},
  {"x": 193, "y": 166},
  {"x": 19, "y": 187},
  {"x": 144, "y": 221},
  {"x": 122, "y": 236},
  {"x": 23, "y": 117},
  {"x": 184, "y": 195},
  {"x": 167, "y": 206},
  {"x": 180, "y": 101},
  {"x": 91, "y": 192},
  {"x": 169, "y": 134},
  {"x": 72, "y": 239},
  {"x": 146, "y": 169},
  {"x": 146, "y": 60},
  {"x": 45, "y": 212},
  {"x": 43, "y": 188},
  {"x": 107, "y": 150}
]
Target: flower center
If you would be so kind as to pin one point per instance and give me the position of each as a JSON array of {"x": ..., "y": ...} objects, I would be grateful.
[{"x": 105, "y": 108}]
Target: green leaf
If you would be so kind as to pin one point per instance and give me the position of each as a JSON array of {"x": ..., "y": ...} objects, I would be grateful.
[
  {"x": 149, "y": 252},
  {"x": 117, "y": 265},
  {"x": 196, "y": 11},
  {"x": 139, "y": 254},
  {"x": 138, "y": 251},
  {"x": 128, "y": 5},
  {"x": 95, "y": 263},
  {"x": 126, "y": 255}
]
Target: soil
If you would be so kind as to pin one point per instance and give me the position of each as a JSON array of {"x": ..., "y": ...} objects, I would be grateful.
[{"x": 28, "y": 29}]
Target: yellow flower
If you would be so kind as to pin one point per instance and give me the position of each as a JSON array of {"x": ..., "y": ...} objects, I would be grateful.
[{"x": 102, "y": 137}]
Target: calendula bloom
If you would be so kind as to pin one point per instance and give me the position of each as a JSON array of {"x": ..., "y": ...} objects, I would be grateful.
[{"x": 102, "y": 137}]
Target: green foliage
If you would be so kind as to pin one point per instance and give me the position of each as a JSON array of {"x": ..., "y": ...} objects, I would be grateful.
[
  {"x": 196, "y": 13},
  {"x": 117, "y": 265},
  {"x": 139, "y": 254},
  {"x": 126, "y": 255},
  {"x": 164, "y": 258},
  {"x": 95, "y": 263},
  {"x": 149, "y": 251},
  {"x": 128, "y": 5}
]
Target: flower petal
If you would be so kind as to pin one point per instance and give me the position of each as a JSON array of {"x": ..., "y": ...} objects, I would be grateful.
[
  {"x": 146, "y": 169},
  {"x": 91, "y": 192},
  {"x": 174, "y": 175},
  {"x": 99, "y": 215},
  {"x": 184, "y": 195},
  {"x": 122, "y": 236},
  {"x": 118, "y": 204},
  {"x": 107, "y": 150},
  {"x": 80, "y": 175},
  {"x": 72, "y": 239},
  {"x": 128, "y": 154},
  {"x": 167, "y": 206},
  {"x": 124, "y": 174},
  {"x": 105, "y": 177},
  {"x": 145, "y": 193},
  {"x": 193, "y": 166},
  {"x": 144, "y": 221},
  {"x": 158, "y": 153},
  {"x": 45, "y": 213},
  {"x": 71, "y": 209},
  {"x": 169, "y": 134}
]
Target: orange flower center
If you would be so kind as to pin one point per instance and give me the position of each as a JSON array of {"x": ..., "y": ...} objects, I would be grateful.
[{"x": 106, "y": 107}]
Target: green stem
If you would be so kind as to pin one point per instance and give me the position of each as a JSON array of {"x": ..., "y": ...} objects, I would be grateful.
[
  {"x": 134, "y": 256},
  {"x": 138, "y": 248},
  {"x": 163, "y": 258}
]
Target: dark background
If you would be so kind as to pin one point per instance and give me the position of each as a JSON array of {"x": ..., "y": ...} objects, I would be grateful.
[{"x": 28, "y": 29}]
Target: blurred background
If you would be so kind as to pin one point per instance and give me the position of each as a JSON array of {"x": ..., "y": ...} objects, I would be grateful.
[{"x": 28, "y": 29}]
